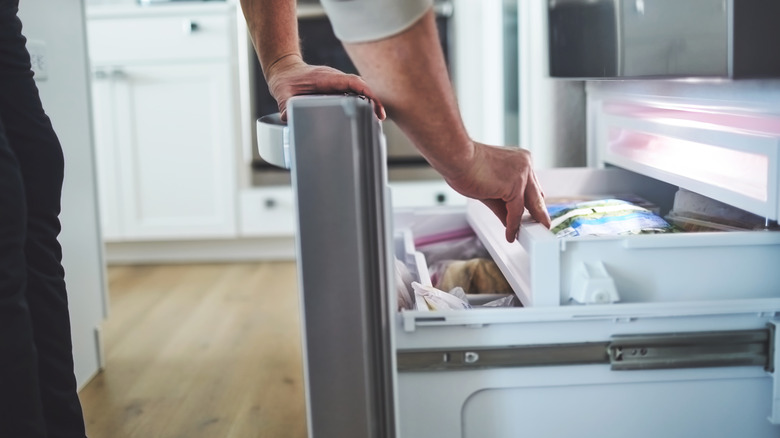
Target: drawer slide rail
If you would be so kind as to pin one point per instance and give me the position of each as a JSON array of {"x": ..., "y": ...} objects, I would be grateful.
[{"x": 622, "y": 352}]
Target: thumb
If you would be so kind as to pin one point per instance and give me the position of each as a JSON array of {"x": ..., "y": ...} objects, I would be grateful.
[{"x": 283, "y": 110}]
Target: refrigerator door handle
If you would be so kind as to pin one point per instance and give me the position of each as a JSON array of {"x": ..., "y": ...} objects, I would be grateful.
[{"x": 337, "y": 161}]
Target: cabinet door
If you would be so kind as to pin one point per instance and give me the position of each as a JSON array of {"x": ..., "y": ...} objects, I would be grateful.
[
  {"x": 175, "y": 140},
  {"x": 106, "y": 163}
]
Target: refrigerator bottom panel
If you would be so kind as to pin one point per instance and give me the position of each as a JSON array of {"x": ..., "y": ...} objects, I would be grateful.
[
  {"x": 586, "y": 401},
  {"x": 644, "y": 370}
]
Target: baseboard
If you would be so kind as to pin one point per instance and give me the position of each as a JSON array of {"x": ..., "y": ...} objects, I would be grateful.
[{"x": 203, "y": 251}]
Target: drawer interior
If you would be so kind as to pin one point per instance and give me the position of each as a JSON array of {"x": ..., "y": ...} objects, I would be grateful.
[
  {"x": 546, "y": 271},
  {"x": 439, "y": 249}
]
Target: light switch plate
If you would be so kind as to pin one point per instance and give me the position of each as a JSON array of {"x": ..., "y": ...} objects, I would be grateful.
[{"x": 38, "y": 59}]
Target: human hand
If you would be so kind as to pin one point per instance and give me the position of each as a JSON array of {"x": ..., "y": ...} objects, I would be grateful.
[
  {"x": 504, "y": 180},
  {"x": 290, "y": 76}
]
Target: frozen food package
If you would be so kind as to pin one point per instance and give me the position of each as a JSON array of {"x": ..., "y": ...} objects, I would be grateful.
[
  {"x": 603, "y": 217},
  {"x": 507, "y": 301},
  {"x": 459, "y": 293},
  {"x": 403, "y": 286},
  {"x": 460, "y": 248},
  {"x": 627, "y": 197},
  {"x": 695, "y": 212},
  {"x": 437, "y": 299},
  {"x": 475, "y": 276}
]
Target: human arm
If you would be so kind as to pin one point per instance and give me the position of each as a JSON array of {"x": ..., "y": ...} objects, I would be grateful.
[
  {"x": 405, "y": 66},
  {"x": 273, "y": 27},
  {"x": 408, "y": 73}
]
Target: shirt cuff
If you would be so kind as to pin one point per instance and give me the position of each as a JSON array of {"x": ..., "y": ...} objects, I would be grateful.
[{"x": 357, "y": 21}]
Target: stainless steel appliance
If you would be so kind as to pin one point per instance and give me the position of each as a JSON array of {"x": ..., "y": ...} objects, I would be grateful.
[
  {"x": 662, "y": 38},
  {"x": 687, "y": 345}
]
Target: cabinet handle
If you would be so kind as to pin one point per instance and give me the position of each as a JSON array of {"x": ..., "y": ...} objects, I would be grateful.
[
  {"x": 118, "y": 73},
  {"x": 270, "y": 203},
  {"x": 113, "y": 73},
  {"x": 190, "y": 26}
]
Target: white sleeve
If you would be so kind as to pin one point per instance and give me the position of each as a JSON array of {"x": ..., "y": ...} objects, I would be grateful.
[{"x": 356, "y": 21}]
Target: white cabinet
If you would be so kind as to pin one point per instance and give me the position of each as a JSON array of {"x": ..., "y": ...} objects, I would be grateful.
[
  {"x": 268, "y": 212},
  {"x": 165, "y": 114}
]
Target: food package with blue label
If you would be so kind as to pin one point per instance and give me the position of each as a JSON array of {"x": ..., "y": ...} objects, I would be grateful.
[{"x": 604, "y": 217}]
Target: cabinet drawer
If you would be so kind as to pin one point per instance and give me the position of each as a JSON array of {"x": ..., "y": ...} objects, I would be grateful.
[
  {"x": 268, "y": 212},
  {"x": 424, "y": 194},
  {"x": 164, "y": 38}
]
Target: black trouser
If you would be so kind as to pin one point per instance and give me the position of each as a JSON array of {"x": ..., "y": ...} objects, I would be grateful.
[{"x": 37, "y": 387}]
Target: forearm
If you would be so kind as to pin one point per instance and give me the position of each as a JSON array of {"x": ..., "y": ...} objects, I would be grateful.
[
  {"x": 409, "y": 75},
  {"x": 273, "y": 27}
]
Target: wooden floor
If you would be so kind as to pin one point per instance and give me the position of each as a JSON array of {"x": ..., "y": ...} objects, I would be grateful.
[{"x": 200, "y": 351}]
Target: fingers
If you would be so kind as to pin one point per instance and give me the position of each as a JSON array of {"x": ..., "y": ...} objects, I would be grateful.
[
  {"x": 379, "y": 109},
  {"x": 514, "y": 213},
  {"x": 352, "y": 84},
  {"x": 510, "y": 211},
  {"x": 513, "y": 217},
  {"x": 498, "y": 207},
  {"x": 534, "y": 202},
  {"x": 283, "y": 109},
  {"x": 510, "y": 214},
  {"x": 320, "y": 80}
]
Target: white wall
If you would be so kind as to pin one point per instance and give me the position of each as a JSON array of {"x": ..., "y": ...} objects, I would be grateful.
[
  {"x": 552, "y": 111},
  {"x": 477, "y": 68},
  {"x": 55, "y": 29}
]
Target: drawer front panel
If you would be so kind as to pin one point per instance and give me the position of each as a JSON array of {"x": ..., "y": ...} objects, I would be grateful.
[
  {"x": 268, "y": 212},
  {"x": 166, "y": 38}
]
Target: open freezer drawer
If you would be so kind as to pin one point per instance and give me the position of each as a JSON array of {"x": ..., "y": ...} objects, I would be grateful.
[
  {"x": 562, "y": 373},
  {"x": 657, "y": 365},
  {"x": 545, "y": 270},
  {"x": 647, "y": 366}
]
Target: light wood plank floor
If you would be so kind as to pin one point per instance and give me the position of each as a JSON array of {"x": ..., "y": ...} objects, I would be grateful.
[{"x": 200, "y": 351}]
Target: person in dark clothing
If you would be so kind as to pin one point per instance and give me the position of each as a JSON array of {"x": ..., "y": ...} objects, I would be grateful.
[{"x": 38, "y": 395}]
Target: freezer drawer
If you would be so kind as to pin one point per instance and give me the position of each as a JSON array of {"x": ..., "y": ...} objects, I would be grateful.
[
  {"x": 680, "y": 362},
  {"x": 656, "y": 366},
  {"x": 557, "y": 372},
  {"x": 549, "y": 271}
]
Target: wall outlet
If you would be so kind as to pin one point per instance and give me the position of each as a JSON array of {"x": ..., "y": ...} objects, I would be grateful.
[{"x": 38, "y": 59}]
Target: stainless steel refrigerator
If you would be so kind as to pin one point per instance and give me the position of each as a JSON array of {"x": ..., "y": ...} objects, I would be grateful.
[{"x": 643, "y": 335}]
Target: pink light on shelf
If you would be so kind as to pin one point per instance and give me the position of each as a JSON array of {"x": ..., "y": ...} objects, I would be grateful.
[
  {"x": 722, "y": 119},
  {"x": 742, "y": 172}
]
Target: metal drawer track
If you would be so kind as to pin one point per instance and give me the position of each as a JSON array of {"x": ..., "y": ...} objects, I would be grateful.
[{"x": 622, "y": 352}]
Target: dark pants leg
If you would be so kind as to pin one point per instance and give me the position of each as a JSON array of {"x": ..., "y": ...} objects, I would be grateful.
[
  {"x": 20, "y": 406},
  {"x": 38, "y": 155}
]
